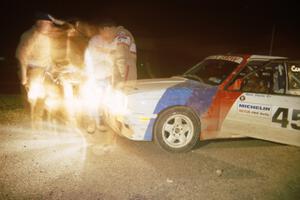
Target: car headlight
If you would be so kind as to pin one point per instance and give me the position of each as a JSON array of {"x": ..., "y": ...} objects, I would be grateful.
[{"x": 116, "y": 102}]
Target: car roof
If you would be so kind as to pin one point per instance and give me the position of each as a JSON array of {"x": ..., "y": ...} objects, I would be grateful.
[
  {"x": 239, "y": 57},
  {"x": 265, "y": 57}
]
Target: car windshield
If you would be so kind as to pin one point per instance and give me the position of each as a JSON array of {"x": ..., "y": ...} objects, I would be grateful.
[{"x": 211, "y": 71}]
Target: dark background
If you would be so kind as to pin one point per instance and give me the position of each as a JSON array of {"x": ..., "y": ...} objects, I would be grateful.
[{"x": 171, "y": 36}]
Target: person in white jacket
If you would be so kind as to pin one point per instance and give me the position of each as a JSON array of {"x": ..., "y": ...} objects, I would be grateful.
[
  {"x": 110, "y": 57},
  {"x": 124, "y": 54},
  {"x": 99, "y": 69}
]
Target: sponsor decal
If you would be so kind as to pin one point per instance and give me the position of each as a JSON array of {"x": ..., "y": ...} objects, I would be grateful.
[
  {"x": 132, "y": 48},
  {"x": 256, "y": 95},
  {"x": 295, "y": 69},
  {"x": 235, "y": 59},
  {"x": 123, "y": 38},
  {"x": 263, "y": 95},
  {"x": 258, "y": 110},
  {"x": 242, "y": 98}
]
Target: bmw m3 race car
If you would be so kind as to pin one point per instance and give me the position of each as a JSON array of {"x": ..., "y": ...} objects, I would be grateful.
[{"x": 221, "y": 97}]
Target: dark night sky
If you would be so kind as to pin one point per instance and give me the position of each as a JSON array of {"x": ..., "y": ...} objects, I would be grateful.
[
  {"x": 185, "y": 30},
  {"x": 234, "y": 23}
]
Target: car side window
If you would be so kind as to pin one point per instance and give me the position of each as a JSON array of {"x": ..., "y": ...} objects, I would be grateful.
[
  {"x": 257, "y": 81},
  {"x": 245, "y": 74},
  {"x": 251, "y": 67},
  {"x": 293, "y": 69},
  {"x": 267, "y": 79}
]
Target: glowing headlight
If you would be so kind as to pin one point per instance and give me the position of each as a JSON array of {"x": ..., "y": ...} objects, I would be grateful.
[{"x": 116, "y": 102}]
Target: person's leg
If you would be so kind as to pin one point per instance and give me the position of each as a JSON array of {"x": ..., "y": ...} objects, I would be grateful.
[{"x": 103, "y": 87}]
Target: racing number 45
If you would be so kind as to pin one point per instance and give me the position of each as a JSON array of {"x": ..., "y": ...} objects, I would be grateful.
[{"x": 284, "y": 119}]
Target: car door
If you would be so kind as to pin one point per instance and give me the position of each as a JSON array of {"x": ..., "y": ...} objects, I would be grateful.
[
  {"x": 233, "y": 124},
  {"x": 268, "y": 107}
]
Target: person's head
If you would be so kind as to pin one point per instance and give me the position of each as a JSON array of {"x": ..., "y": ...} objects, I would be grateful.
[
  {"x": 87, "y": 29},
  {"x": 43, "y": 21},
  {"x": 107, "y": 29}
]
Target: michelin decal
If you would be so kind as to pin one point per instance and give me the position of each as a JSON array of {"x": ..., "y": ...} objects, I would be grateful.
[{"x": 252, "y": 109}]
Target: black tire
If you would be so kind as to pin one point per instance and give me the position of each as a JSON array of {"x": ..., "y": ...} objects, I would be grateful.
[{"x": 165, "y": 118}]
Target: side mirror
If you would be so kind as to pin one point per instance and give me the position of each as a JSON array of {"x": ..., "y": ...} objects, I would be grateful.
[{"x": 237, "y": 84}]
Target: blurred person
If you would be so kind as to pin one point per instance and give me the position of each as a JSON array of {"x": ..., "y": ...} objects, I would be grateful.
[
  {"x": 67, "y": 55},
  {"x": 110, "y": 58},
  {"x": 34, "y": 49},
  {"x": 43, "y": 48},
  {"x": 255, "y": 83},
  {"x": 99, "y": 68},
  {"x": 112, "y": 53},
  {"x": 78, "y": 39},
  {"x": 34, "y": 56},
  {"x": 124, "y": 55}
]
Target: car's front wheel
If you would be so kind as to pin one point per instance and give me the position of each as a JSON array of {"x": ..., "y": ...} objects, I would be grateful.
[{"x": 177, "y": 129}]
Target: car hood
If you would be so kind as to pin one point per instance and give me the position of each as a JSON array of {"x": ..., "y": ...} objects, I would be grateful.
[{"x": 152, "y": 85}]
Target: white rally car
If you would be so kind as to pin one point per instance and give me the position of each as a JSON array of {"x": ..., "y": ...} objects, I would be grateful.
[{"x": 220, "y": 97}]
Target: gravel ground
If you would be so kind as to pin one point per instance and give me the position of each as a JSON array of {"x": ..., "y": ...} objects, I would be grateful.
[{"x": 68, "y": 164}]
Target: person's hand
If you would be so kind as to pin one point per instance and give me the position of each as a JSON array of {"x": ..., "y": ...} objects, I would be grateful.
[
  {"x": 26, "y": 86},
  {"x": 24, "y": 81}
]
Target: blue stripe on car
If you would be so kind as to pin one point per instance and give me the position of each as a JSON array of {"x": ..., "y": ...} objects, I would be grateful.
[{"x": 190, "y": 93}]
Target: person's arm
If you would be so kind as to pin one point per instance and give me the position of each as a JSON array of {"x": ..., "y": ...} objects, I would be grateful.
[
  {"x": 22, "y": 53},
  {"x": 90, "y": 57},
  {"x": 88, "y": 62},
  {"x": 122, "y": 55}
]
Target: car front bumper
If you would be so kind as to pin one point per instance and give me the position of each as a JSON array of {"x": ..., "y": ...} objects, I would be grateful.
[{"x": 134, "y": 126}]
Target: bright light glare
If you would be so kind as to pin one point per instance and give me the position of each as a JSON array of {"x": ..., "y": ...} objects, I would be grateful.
[
  {"x": 52, "y": 104},
  {"x": 66, "y": 147},
  {"x": 69, "y": 98},
  {"x": 90, "y": 95},
  {"x": 116, "y": 102},
  {"x": 36, "y": 90}
]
